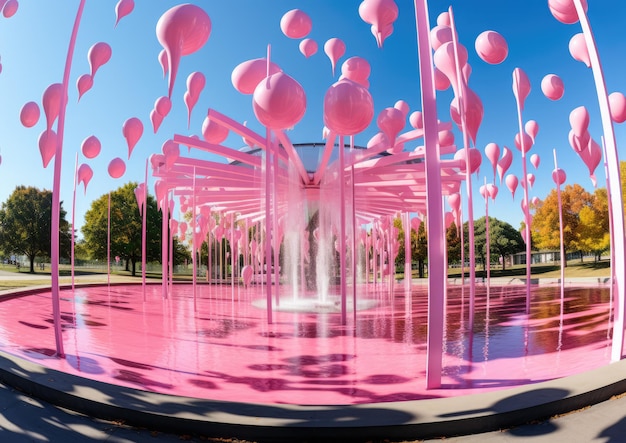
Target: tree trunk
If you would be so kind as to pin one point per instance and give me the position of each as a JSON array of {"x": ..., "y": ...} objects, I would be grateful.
[
  {"x": 420, "y": 265},
  {"x": 31, "y": 259},
  {"x": 503, "y": 262},
  {"x": 134, "y": 262}
]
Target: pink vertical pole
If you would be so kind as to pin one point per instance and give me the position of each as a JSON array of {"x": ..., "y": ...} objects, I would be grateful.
[
  {"x": 194, "y": 246},
  {"x": 558, "y": 196},
  {"x": 354, "y": 236},
  {"x": 407, "y": 252},
  {"x": 487, "y": 245},
  {"x": 342, "y": 232},
  {"x": 468, "y": 176},
  {"x": 268, "y": 234},
  {"x": 144, "y": 228},
  {"x": 276, "y": 236},
  {"x": 74, "y": 217},
  {"x": 164, "y": 244},
  {"x": 109, "y": 240},
  {"x": 436, "y": 242},
  {"x": 171, "y": 240},
  {"x": 209, "y": 251},
  {"x": 616, "y": 201},
  {"x": 516, "y": 81},
  {"x": 56, "y": 189},
  {"x": 232, "y": 250}
]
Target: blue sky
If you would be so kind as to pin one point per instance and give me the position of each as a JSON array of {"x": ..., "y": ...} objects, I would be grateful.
[{"x": 33, "y": 46}]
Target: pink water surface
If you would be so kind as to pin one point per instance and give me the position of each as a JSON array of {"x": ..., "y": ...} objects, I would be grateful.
[{"x": 218, "y": 345}]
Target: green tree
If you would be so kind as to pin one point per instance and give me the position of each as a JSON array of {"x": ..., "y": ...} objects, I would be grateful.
[
  {"x": 453, "y": 242},
  {"x": 26, "y": 223},
  {"x": 126, "y": 227},
  {"x": 419, "y": 247},
  {"x": 504, "y": 239},
  {"x": 593, "y": 234}
]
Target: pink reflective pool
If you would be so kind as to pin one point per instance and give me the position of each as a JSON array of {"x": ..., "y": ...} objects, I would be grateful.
[{"x": 218, "y": 345}]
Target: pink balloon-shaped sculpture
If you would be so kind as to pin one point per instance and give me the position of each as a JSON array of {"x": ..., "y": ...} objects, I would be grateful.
[
  {"x": 403, "y": 107},
  {"x": 10, "y": 8},
  {"x": 171, "y": 151},
  {"x": 492, "y": 151},
  {"x": 559, "y": 176},
  {"x": 391, "y": 121},
  {"x": 552, "y": 87},
  {"x": 162, "y": 106},
  {"x": 530, "y": 178},
  {"x": 213, "y": 132},
  {"x": 247, "y": 75},
  {"x": 528, "y": 142},
  {"x": 90, "y": 147},
  {"x": 441, "y": 81},
  {"x": 182, "y": 30},
  {"x": 521, "y": 86},
  {"x": 117, "y": 167},
  {"x": 98, "y": 55},
  {"x": 308, "y": 47},
  {"x": 579, "y": 120},
  {"x": 348, "y": 107},
  {"x": 156, "y": 119},
  {"x": 577, "y": 143},
  {"x": 617, "y": 107},
  {"x": 247, "y": 272},
  {"x": 195, "y": 84},
  {"x": 51, "y": 102},
  {"x": 535, "y": 160},
  {"x": 84, "y": 175},
  {"x": 445, "y": 138},
  {"x": 356, "y": 69},
  {"x": 532, "y": 128},
  {"x": 578, "y": 49},
  {"x": 440, "y": 35},
  {"x": 475, "y": 159},
  {"x": 505, "y": 162},
  {"x": 296, "y": 24},
  {"x": 47, "y": 146},
  {"x": 443, "y": 19},
  {"x": 491, "y": 47},
  {"x": 165, "y": 66},
  {"x": 445, "y": 62},
  {"x": 380, "y": 14},
  {"x": 122, "y": 9},
  {"x": 334, "y": 48},
  {"x": 565, "y": 11},
  {"x": 511, "y": 182},
  {"x": 454, "y": 201},
  {"x": 84, "y": 84},
  {"x": 132, "y": 130},
  {"x": 473, "y": 112},
  {"x": 492, "y": 191},
  {"x": 29, "y": 115},
  {"x": 279, "y": 101},
  {"x": 416, "y": 120}
]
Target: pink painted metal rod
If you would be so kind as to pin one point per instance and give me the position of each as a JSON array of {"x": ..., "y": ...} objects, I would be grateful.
[
  {"x": 516, "y": 80},
  {"x": 268, "y": 234},
  {"x": 342, "y": 232},
  {"x": 144, "y": 228},
  {"x": 616, "y": 202},
  {"x": 354, "y": 236},
  {"x": 487, "y": 245},
  {"x": 164, "y": 243},
  {"x": 562, "y": 243},
  {"x": 436, "y": 278},
  {"x": 109, "y": 240},
  {"x": 468, "y": 175},
  {"x": 73, "y": 217},
  {"x": 194, "y": 247},
  {"x": 56, "y": 189},
  {"x": 407, "y": 252}
]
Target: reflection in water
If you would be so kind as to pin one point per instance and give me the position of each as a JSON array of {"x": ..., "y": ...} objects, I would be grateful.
[{"x": 217, "y": 344}]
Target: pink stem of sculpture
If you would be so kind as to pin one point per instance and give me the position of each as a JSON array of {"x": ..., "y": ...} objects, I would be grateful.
[
  {"x": 232, "y": 252},
  {"x": 268, "y": 237},
  {"x": 436, "y": 278},
  {"x": 109, "y": 240},
  {"x": 525, "y": 179},
  {"x": 487, "y": 245},
  {"x": 170, "y": 243},
  {"x": 193, "y": 238},
  {"x": 342, "y": 230},
  {"x": 558, "y": 196},
  {"x": 611, "y": 233},
  {"x": 468, "y": 174},
  {"x": 276, "y": 236},
  {"x": 407, "y": 252},
  {"x": 73, "y": 218},
  {"x": 144, "y": 228},
  {"x": 354, "y": 236},
  {"x": 616, "y": 202},
  {"x": 164, "y": 244},
  {"x": 56, "y": 190}
]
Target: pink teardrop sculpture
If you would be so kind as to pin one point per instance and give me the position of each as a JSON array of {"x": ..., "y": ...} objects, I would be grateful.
[
  {"x": 163, "y": 105},
  {"x": 334, "y": 48},
  {"x": 90, "y": 147},
  {"x": 98, "y": 55},
  {"x": 84, "y": 84},
  {"x": 440, "y": 35},
  {"x": 196, "y": 82},
  {"x": 247, "y": 75},
  {"x": 182, "y": 30},
  {"x": 532, "y": 128},
  {"x": 511, "y": 183},
  {"x": 84, "y": 175},
  {"x": 380, "y": 14},
  {"x": 535, "y": 160},
  {"x": 491, "y": 47},
  {"x": 117, "y": 167},
  {"x": 492, "y": 151},
  {"x": 122, "y": 9},
  {"x": 505, "y": 162},
  {"x": 213, "y": 132},
  {"x": 156, "y": 120},
  {"x": 416, "y": 120},
  {"x": 308, "y": 47},
  {"x": 391, "y": 121},
  {"x": 296, "y": 24},
  {"x": 559, "y": 176},
  {"x": 475, "y": 159},
  {"x": 47, "y": 146},
  {"x": 578, "y": 49},
  {"x": 163, "y": 62},
  {"x": 579, "y": 120},
  {"x": 132, "y": 130},
  {"x": 521, "y": 86},
  {"x": 565, "y": 10},
  {"x": 51, "y": 102},
  {"x": 528, "y": 142},
  {"x": 10, "y": 8},
  {"x": 356, "y": 69},
  {"x": 29, "y": 115},
  {"x": 617, "y": 106},
  {"x": 454, "y": 201}
]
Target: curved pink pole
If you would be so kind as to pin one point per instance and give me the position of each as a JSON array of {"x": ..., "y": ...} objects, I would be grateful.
[
  {"x": 436, "y": 276},
  {"x": 56, "y": 185},
  {"x": 616, "y": 203}
]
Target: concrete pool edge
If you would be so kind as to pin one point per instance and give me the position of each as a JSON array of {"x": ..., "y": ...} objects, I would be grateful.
[{"x": 418, "y": 419}]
